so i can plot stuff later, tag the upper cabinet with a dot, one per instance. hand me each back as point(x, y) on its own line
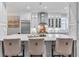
point(3, 20)
point(58, 24)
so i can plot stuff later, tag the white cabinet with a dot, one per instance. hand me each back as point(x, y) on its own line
point(3, 24)
point(3, 20)
point(64, 25)
point(58, 24)
point(34, 22)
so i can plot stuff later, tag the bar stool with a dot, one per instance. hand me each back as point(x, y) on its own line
point(36, 47)
point(64, 46)
point(12, 47)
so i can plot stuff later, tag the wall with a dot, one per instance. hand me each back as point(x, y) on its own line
point(12, 31)
point(72, 20)
point(3, 21)
point(78, 29)
point(25, 16)
point(73, 23)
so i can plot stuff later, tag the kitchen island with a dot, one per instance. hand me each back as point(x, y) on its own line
point(49, 39)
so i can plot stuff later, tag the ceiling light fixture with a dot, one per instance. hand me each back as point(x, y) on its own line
point(45, 7)
point(49, 16)
point(52, 16)
point(65, 8)
point(28, 7)
point(42, 7)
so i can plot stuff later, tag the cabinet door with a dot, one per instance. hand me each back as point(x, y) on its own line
point(64, 25)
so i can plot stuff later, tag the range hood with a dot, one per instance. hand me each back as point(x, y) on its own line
point(42, 26)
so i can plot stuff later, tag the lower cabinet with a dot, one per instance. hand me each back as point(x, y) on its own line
point(0, 49)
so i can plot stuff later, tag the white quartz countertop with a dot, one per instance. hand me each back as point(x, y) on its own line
point(49, 37)
point(54, 36)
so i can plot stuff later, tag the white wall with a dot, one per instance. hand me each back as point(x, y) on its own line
point(25, 16)
point(12, 31)
point(72, 20)
point(78, 29)
point(73, 23)
point(78, 18)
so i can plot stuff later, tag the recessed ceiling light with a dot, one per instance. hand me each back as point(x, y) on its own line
point(45, 7)
point(59, 16)
point(28, 7)
point(65, 8)
point(36, 16)
point(42, 15)
point(49, 16)
point(56, 16)
point(52, 16)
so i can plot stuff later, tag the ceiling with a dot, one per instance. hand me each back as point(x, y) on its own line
point(23, 7)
